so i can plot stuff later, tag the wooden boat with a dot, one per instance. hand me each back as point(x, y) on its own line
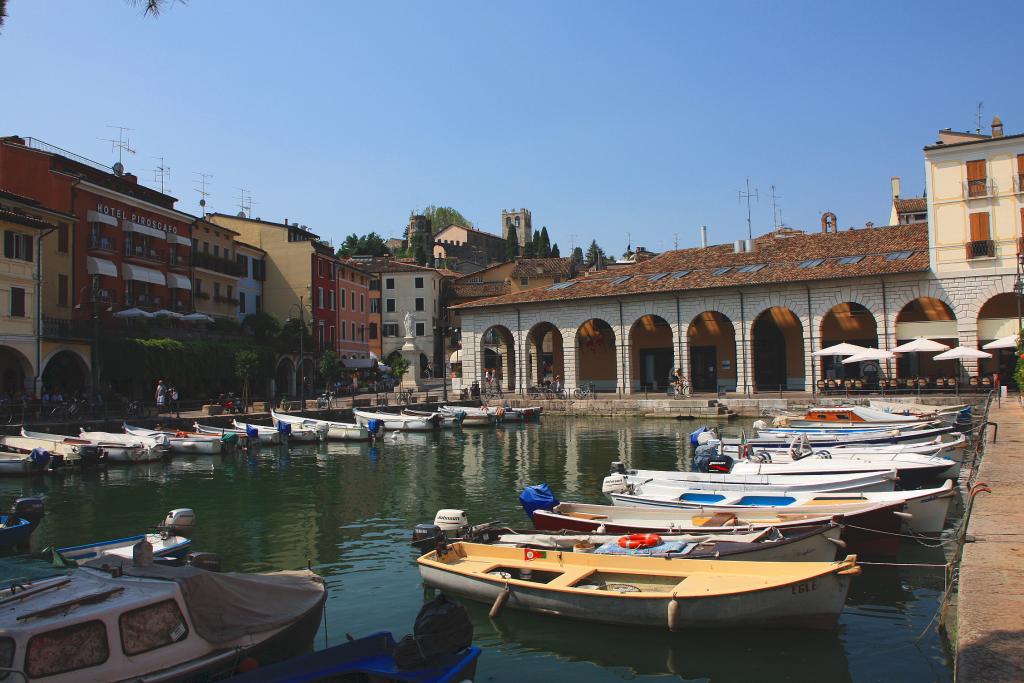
point(111, 620)
point(181, 442)
point(228, 434)
point(832, 438)
point(621, 478)
point(840, 429)
point(446, 421)
point(471, 417)
point(67, 451)
point(398, 422)
point(16, 526)
point(644, 591)
point(806, 543)
point(844, 415)
point(341, 431)
point(128, 447)
point(946, 414)
point(925, 511)
point(300, 433)
point(872, 530)
point(371, 658)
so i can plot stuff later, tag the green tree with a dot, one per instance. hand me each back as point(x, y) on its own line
point(330, 367)
point(530, 250)
point(262, 325)
point(441, 217)
point(512, 246)
point(247, 363)
point(419, 251)
point(577, 255)
point(398, 364)
point(544, 250)
point(554, 251)
point(365, 245)
point(595, 256)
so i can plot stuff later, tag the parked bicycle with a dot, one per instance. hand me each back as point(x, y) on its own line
point(547, 393)
point(323, 401)
point(680, 389)
point(584, 391)
point(405, 395)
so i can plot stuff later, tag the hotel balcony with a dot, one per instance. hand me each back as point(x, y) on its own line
point(107, 245)
point(142, 254)
point(143, 301)
point(981, 249)
point(178, 261)
point(216, 264)
point(979, 188)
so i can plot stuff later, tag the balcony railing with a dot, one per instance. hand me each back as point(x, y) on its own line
point(1018, 183)
point(98, 243)
point(177, 261)
point(981, 249)
point(979, 187)
point(61, 328)
point(151, 255)
point(216, 264)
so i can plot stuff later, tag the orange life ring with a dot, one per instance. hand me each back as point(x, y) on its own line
point(639, 541)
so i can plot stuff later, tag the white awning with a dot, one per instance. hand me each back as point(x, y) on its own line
point(175, 281)
point(99, 266)
point(456, 357)
point(97, 217)
point(140, 274)
point(175, 238)
point(132, 226)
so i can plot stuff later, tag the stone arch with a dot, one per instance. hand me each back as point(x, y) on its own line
point(933, 318)
point(848, 322)
point(284, 376)
point(652, 356)
point(596, 360)
point(777, 350)
point(16, 373)
point(545, 354)
point(498, 355)
point(66, 371)
point(999, 316)
point(711, 341)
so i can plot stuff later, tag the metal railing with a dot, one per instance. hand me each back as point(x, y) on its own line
point(63, 328)
point(981, 249)
point(216, 263)
point(979, 187)
point(138, 252)
point(102, 243)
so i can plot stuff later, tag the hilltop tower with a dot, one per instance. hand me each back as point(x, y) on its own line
point(521, 222)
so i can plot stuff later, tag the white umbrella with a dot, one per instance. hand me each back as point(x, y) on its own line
point(133, 313)
point(843, 349)
point(869, 354)
point(1002, 343)
point(197, 318)
point(164, 313)
point(962, 353)
point(921, 345)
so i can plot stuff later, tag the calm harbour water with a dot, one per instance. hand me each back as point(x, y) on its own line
point(348, 509)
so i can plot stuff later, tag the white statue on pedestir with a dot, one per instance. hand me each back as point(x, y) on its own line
point(409, 329)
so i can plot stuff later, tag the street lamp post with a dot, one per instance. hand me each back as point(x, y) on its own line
point(94, 379)
point(302, 335)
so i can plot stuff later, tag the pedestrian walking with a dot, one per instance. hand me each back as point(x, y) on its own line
point(161, 396)
point(175, 406)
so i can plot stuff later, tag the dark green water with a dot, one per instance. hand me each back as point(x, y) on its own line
point(349, 510)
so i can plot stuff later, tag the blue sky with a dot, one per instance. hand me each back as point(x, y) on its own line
point(604, 119)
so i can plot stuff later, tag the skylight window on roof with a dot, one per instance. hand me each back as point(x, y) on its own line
point(680, 274)
point(721, 271)
point(752, 267)
point(657, 276)
point(811, 263)
point(620, 280)
point(850, 260)
point(563, 285)
point(899, 256)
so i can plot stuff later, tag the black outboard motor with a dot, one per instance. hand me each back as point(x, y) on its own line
point(706, 458)
point(30, 509)
point(721, 464)
point(426, 535)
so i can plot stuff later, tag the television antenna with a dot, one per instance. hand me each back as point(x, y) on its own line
point(977, 117)
point(203, 194)
point(244, 202)
point(776, 212)
point(161, 174)
point(122, 144)
point(747, 194)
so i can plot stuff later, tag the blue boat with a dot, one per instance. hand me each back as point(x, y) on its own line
point(170, 541)
point(372, 657)
point(17, 525)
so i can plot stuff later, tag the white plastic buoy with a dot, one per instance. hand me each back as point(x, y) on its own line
point(673, 613)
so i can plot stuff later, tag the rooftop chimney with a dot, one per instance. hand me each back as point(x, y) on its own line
point(895, 180)
point(997, 127)
point(703, 237)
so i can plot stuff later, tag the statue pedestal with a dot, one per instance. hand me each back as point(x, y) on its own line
point(411, 354)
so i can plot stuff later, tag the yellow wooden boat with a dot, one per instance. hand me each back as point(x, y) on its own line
point(644, 591)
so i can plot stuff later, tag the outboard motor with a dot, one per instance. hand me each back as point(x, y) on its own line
point(449, 520)
point(614, 483)
point(208, 561)
point(374, 426)
point(721, 464)
point(284, 428)
point(30, 509)
point(426, 534)
point(537, 497)
point(180, 521)
point(252, 432)
point(618, 467)
point(40, 458)
point(707, 459)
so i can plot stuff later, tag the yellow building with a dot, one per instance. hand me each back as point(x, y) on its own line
point(215, 269)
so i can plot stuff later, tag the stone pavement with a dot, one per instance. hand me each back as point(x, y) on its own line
point(990, 614)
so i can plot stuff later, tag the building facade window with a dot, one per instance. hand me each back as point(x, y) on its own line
point(389, 283)
point(362, 303)
point(62, 290)
point(319, 297)
point(419, 303)
point(374, 305)
point(977, 178)
point(353, 299)
point(216, 290)
point(62, 238)
point(17, 302)
point(421, 330)
point(353, 328)
point(419, 283)
point(330, 299)
point(523, 281)
point(259, 303)
point(373, 330)
point(241, 302)
point(980, 227)
point(17, 245)
point(389, 305)
point(389, 330)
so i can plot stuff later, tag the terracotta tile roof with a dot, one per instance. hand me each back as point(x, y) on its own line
point(777, 258)
point(550, 267)
point(465, 289)
point(911, 205)
point(384, 264)
point(445, 272)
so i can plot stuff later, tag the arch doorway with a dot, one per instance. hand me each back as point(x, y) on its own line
point(66, 373)
point(651, 356)
point(284, 377)
point(932, 318)
point(1000, 317)
point(15, 373)
point(778, 344)
point(497, 348)
point(595, 355)
point(546, 356)
point(711, 338)
point(850, 323)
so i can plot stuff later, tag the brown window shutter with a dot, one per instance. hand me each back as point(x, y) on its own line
point(979, 227)
point(976, 170)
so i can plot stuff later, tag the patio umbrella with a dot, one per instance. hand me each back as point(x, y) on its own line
point(921, 345)
point(843, 349)
point(164, 313)
point(962, 353)
point(133, 313)
point(197, 318)
point(1002, 343)
point(869, 354)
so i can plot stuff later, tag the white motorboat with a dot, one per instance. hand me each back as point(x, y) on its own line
point(341, 431)
point(446, 421)
point(913, 469)
point(128, 447)
point(621, 478)
point(19, 464)
point(239, 435)
point(471, 417)
point(925, 510)
point(939, 446)
point(300, 433)
point(170, 540)
point(113, 620)
point(68, 450)
point(946, 414)
point(398, 422)
point(181, 442)
point(769, 439)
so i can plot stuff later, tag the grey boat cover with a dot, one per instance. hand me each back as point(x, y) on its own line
point(226, 606)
